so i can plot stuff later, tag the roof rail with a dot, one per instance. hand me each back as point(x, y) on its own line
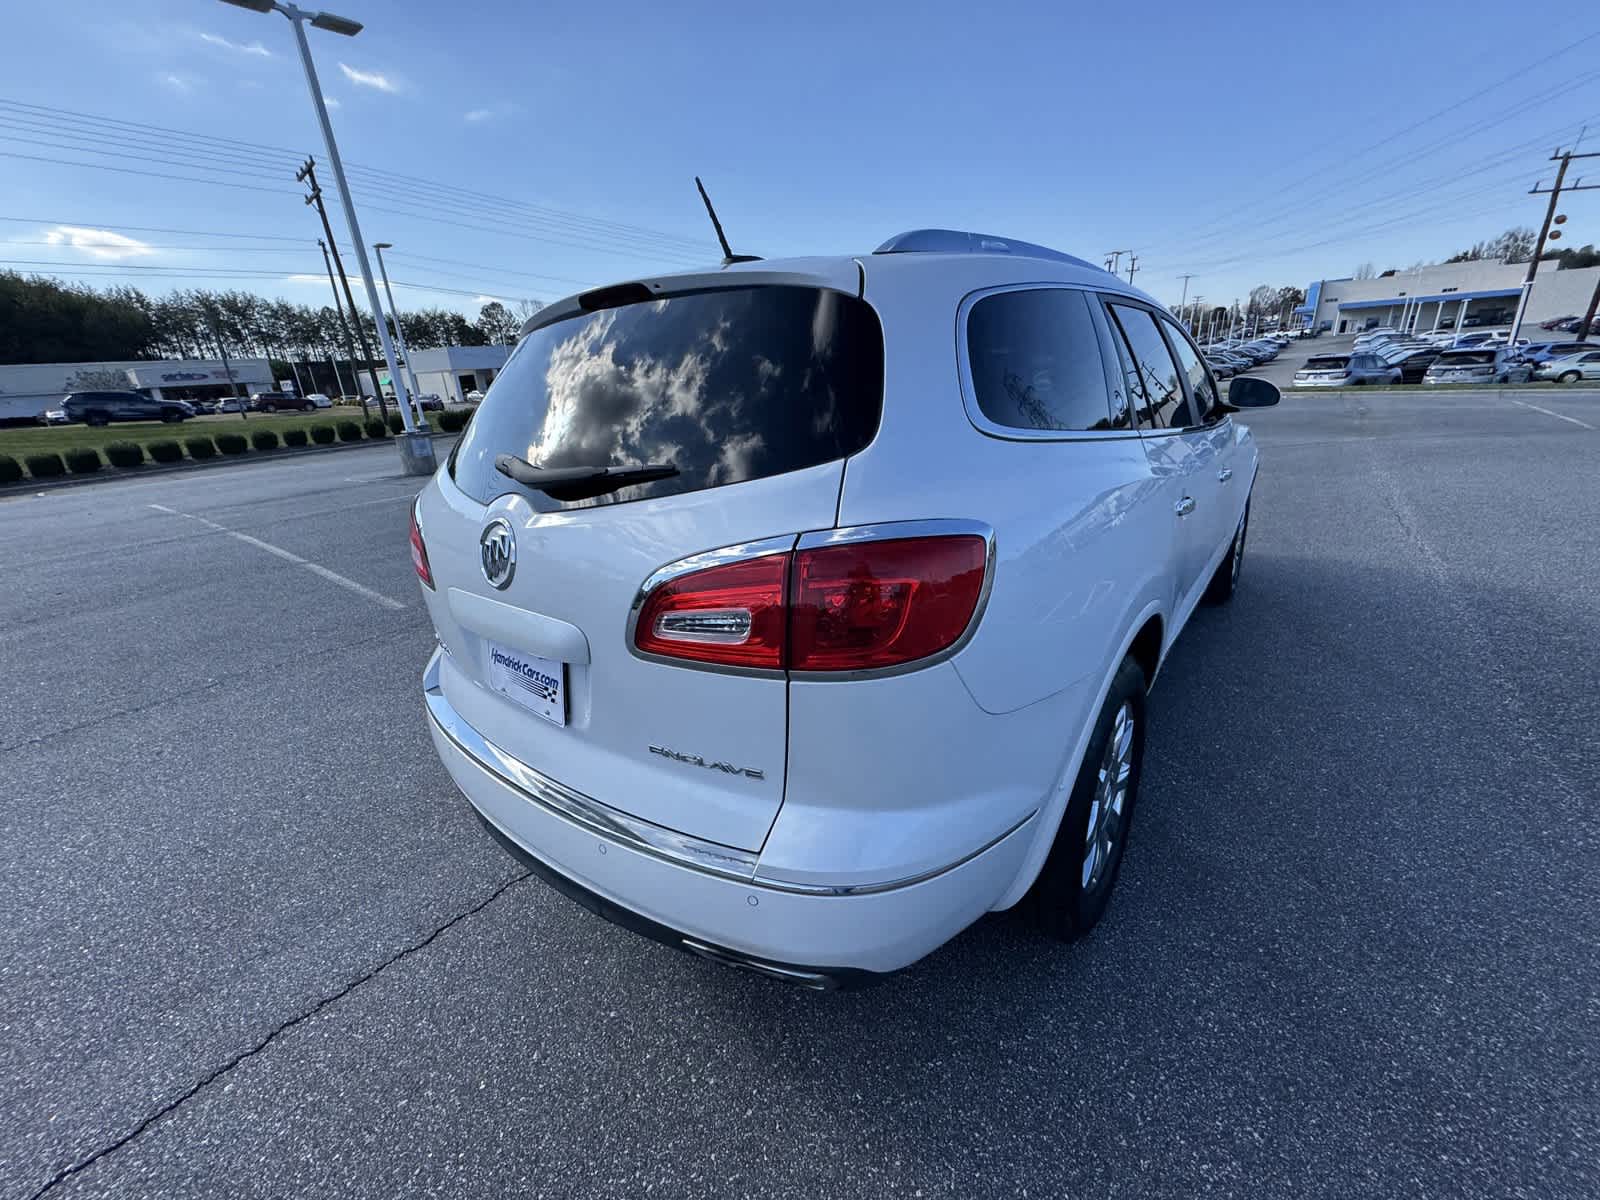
point(957, 241)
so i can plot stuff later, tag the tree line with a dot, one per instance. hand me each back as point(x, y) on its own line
point(46, 320)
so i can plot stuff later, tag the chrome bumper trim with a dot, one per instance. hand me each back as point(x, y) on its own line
point(711, 858)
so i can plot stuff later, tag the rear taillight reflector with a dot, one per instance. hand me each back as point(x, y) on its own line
point(731, 614)
point(856, 606)
point(868, 605)
point(419, 551)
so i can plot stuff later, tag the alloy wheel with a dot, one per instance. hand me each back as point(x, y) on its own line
point(1110, 800)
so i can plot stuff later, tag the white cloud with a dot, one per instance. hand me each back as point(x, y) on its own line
point(98, 243)
point(478, 114)
point(181, 84)
point(487, 300)
point(255, 48)
point(371, 79)
point(331, 101)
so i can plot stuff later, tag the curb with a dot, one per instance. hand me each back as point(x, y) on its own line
point(108, 474)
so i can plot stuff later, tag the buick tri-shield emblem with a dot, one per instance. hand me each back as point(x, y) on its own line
point(497, 551)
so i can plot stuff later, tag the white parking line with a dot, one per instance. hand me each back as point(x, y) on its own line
point(1556, 415)
point(288, 556)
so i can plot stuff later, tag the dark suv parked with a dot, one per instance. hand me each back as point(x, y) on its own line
point(102, 408)
point(267, 402)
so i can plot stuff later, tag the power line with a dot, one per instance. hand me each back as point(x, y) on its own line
point(1276, 193)
point(377, 175)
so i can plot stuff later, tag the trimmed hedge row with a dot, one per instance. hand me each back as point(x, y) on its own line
point(82, 460)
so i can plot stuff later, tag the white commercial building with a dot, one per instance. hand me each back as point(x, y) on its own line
point(453, 371)
point(1446, 296)
point(27, 389)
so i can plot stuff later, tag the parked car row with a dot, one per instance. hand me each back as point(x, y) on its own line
point(1387, 356)
point(1235, 356)
point(1569, 324)
point(104, 407)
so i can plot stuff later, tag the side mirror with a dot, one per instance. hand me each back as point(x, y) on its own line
point(1246, 391)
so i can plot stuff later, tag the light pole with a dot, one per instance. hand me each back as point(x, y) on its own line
point(400, 334)
point(416, 449)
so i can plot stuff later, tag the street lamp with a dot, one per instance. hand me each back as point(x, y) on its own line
point(400, 334)
point(416, 448)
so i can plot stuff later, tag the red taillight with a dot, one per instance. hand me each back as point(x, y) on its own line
point(852, 607)
point(730, 614)
point(419, 551)
point(864, 605)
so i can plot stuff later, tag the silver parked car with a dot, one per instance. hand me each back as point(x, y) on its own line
point(1483, 365)
point(1364, 368)
point(1572, 368)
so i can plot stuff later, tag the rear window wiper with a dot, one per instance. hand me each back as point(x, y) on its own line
point(579, 483)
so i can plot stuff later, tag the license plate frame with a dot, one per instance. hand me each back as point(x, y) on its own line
point(533, 682)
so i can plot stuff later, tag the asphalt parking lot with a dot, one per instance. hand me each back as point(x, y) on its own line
point(251, 943)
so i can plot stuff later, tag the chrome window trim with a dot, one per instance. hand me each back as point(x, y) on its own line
point(633, 833)
point(700, 562)
point(889, 530)
point(1011, 433)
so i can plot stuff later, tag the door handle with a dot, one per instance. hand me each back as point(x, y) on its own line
point(1225, 474)
point(1185, 506)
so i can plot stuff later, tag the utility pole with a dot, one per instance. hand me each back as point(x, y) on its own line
point(227, 369)
point(1550, 218)
point(308, 172)
point(349, 345)
point(1114, 260)
point(1133, 265)
point(399, 335)
point(1183, 302)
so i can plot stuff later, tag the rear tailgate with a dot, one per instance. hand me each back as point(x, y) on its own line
point(756, 394)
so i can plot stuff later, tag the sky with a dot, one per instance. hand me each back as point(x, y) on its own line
point(517, 151)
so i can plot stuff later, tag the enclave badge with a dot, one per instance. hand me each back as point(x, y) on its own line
point(694, 760)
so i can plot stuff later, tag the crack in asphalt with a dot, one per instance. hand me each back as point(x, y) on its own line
point(171, 1106)
point(217, 681)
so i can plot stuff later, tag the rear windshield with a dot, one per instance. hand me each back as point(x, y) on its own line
point(727, 386)
point(1328, 362)
point(1465, 358)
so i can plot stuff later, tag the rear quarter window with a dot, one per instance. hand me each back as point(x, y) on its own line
point(728, 386)
point(1035, 362)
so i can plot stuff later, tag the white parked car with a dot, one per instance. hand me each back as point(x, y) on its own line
point(1573, 368)
point(777, 624)
point(319, 400)
point(473, 397)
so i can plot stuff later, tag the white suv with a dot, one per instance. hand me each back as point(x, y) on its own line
point(798, 613)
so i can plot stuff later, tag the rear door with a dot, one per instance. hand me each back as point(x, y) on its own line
point(756, 395)
point(1181, 457)
point(1207, 422)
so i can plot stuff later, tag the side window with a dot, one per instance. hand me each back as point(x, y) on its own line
point(1035, 361)
point(1152, 375)
point(1202, 388)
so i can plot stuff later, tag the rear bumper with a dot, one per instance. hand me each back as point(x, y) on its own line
point(806, 934)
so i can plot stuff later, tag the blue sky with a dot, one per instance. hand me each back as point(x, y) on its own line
point(526, 150)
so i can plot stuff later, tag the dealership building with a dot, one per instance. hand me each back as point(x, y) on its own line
point(452, 371)
point(1446, 296)
point(27, 389)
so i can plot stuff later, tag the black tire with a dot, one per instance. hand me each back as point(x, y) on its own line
point(308, 407)
point(97, 419)
point(171, 416)
point(1064, 905)
point(1221, 588)
point(269, 408)
point(1570, 377)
